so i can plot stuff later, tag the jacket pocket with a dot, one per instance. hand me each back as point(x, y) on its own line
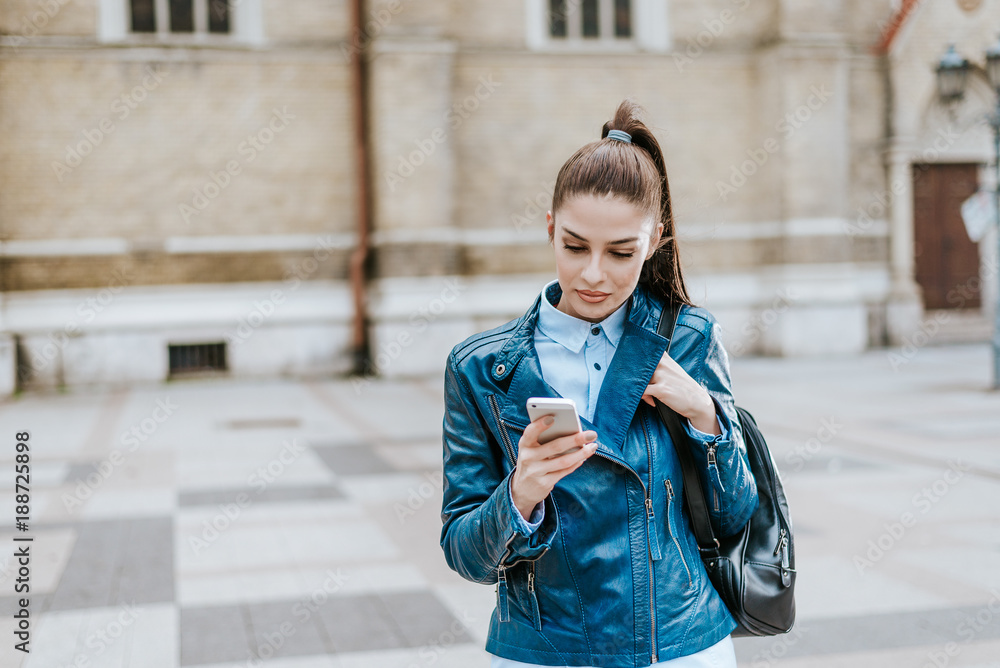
point(518, 586)
point(536, 616)
point(671, 528)
point(505, 437)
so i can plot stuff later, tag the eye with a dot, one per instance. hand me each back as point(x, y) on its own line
point(622, 255)
point(574, 249)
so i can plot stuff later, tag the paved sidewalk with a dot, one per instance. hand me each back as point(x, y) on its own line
point(215, 523)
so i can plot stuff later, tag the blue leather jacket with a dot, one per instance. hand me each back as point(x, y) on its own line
point(612, 577)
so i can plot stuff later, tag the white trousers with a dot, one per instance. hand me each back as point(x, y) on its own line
point(720, 655)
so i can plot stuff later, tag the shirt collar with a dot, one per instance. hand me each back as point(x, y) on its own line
point(571, 332)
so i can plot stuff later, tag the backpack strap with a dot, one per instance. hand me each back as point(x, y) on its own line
point(694, 493)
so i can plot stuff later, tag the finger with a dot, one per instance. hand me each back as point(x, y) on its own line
point(557, 446)
point(569, 463)
point(534, 429)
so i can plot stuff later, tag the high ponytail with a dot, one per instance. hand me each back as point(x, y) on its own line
point(636, 173)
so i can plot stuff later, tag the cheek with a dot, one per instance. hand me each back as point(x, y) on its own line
point(627, 275)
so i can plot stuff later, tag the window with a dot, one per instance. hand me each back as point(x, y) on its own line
point(180, 16)
point(616, 25)
point(216, 23)
point(590, 19)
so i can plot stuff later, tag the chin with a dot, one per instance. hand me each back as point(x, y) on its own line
point(594, 312)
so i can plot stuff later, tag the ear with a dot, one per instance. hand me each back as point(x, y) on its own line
point(654, 240)
point(550, 225)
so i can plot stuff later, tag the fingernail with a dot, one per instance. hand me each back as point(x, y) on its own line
point(548, 419)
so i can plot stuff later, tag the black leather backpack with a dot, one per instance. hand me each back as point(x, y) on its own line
point(753, 570)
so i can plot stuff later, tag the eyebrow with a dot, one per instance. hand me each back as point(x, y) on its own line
point(610, 243)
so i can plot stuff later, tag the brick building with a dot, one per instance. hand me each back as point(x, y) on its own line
point(179, 178)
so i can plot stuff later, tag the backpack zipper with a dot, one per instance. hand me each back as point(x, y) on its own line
point(786, 577)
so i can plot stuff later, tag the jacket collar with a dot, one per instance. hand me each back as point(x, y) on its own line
point(571, 332)
point(639, 351)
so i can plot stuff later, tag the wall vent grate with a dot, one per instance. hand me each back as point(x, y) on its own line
point(197, 358)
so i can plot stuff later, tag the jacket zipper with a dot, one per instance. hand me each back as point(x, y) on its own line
point(654, 543)
point(504, 614)
point(673, 534)
point(712, 462)
point(534, 598)
point(508, 446)
point(502, 610)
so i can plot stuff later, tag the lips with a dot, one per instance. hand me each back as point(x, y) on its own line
point(591, 296)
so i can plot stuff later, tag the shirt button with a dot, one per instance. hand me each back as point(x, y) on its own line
point(597, 366)
point(595, 330)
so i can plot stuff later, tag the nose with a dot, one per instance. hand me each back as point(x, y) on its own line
point(593, 273)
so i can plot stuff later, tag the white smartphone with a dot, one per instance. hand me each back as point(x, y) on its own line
point(567, 420)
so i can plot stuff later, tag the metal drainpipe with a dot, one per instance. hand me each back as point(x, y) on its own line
point(358, 263)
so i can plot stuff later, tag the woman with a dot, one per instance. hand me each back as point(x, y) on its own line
point(594, 559)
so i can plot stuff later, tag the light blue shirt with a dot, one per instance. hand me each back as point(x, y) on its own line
point(574, 355)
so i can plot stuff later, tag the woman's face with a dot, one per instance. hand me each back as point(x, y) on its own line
point(600, 246)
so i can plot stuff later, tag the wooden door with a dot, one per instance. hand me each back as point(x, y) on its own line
point(947, 261)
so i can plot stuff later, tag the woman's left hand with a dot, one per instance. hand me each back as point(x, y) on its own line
point(672, 385)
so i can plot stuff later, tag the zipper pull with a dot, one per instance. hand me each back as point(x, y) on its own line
point(781, 542)
point(502, 609)
point(536, 614)
point(786, 573)
point(654, 541)
point(670, 488)
point(711, 454)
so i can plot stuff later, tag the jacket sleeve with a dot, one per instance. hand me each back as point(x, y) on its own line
point(726, 476)
point(480, 523)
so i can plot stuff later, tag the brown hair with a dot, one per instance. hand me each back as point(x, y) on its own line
point(634, 172)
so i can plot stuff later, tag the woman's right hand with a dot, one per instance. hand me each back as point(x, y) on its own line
point(541, 465)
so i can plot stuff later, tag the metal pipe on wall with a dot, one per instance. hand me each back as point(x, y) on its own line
point(359, 262)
